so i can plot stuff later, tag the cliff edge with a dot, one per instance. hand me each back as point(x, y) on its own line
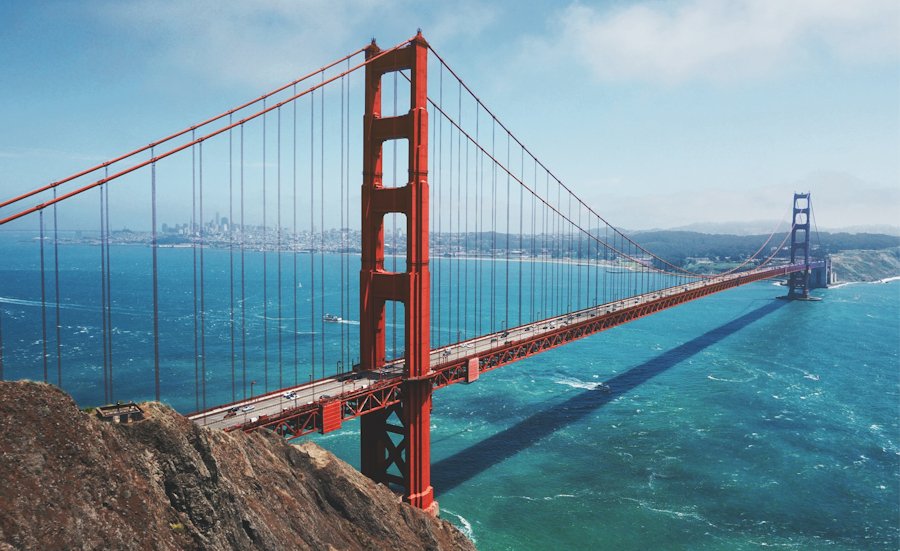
point(69, 480)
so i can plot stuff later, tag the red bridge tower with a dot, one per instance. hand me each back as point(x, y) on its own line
point(396, 443)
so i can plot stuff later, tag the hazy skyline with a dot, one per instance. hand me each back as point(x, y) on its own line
point(657, 114)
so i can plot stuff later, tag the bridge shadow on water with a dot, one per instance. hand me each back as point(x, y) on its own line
point(452, 471)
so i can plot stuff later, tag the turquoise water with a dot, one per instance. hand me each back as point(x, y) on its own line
point(734, 422)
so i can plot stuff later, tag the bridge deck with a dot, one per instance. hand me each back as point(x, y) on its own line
point(357, 393)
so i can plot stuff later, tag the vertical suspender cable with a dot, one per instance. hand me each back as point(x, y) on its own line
point(493, 224)
point(312, 229)
point(346, 207)
point(341, 228)
point(467, 253)
point(103, 300)
point(43, 297)
point(533, 244)
point(265, 266)
point(439, 127)
point(194, 253)
point(459, 209)
point(543, 311)
point(521, 229)
point(322, 216)
point(395, 352)
point(56, 282)
point(479, 201)
point(1, 344)
point(569, 247)
point(432, 205)
point(506, 318)
point(243, 282)
point(295, 236)
point(447, 242)
point(231, 255)
point(202, 289)
point(109, 328)
point(578, 264)
point(155, 279)
point(278, 253)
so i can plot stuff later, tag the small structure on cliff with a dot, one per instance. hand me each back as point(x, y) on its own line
point(120, 413)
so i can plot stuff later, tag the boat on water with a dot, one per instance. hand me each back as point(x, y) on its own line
point(332, 318)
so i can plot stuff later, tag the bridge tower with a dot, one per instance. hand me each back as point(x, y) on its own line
point(395, 444)
point(798, 282)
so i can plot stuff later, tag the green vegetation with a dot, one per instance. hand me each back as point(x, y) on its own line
point(714, 251)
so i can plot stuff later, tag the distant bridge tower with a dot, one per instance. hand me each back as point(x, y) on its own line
point(799, 283)
point(395, 443)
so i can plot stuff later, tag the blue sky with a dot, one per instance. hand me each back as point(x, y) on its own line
point(659, 114)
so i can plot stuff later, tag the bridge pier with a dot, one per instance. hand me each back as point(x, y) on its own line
point(820, 278)
point(395, 444)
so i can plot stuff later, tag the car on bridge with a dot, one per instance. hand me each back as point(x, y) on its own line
point(289, 395)
point(248, 407)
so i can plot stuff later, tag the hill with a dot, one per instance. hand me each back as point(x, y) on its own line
point(71, 481)
point(866, 265)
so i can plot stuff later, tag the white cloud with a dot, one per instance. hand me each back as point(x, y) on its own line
point(260, 43)
point(727, 39)
point(267, 42)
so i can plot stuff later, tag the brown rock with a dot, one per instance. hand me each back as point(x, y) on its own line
point(70, 481)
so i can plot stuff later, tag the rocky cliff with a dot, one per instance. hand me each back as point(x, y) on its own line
point(71, 481)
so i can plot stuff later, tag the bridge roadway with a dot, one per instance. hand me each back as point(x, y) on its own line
point(359, 392)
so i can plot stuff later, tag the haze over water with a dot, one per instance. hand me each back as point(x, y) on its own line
point(734, 422)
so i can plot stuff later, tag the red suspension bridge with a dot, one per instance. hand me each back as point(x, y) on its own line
point(474, 257)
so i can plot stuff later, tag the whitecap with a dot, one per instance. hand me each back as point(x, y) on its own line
point(466, 526)
point(712, 378)
point(576, 383)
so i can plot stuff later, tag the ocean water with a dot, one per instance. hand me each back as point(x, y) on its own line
point(734, 422)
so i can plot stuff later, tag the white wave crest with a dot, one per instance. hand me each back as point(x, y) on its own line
point(464, 525)
point(576, 383)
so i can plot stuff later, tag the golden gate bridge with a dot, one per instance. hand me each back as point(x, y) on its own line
point(490, 259)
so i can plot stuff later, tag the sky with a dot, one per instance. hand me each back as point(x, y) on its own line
point(658, 114)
